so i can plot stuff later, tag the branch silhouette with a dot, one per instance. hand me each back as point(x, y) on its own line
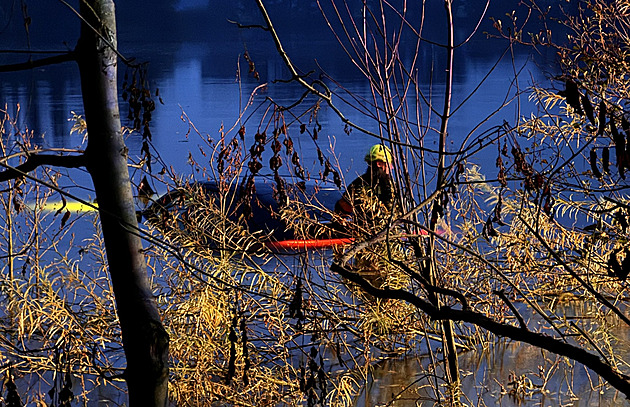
point(616, 379)
point(36, 160)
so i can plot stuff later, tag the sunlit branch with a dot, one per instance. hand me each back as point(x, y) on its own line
point(175, 251)
point(573, 274)
point(385, 234)
point(431, 287)
point(496, 270)
point(591, 341)
point(616, 379)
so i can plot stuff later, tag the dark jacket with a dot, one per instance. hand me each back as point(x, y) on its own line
point(369, 198)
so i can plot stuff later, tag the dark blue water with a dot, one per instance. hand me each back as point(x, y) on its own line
point(195, 71)
point(193, 59)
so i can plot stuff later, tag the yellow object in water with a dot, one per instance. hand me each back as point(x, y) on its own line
point(72, 206)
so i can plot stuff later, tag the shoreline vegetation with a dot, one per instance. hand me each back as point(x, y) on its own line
point(513, 281)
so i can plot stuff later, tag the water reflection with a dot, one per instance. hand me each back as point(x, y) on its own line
point(200, 78)
point(507, 373)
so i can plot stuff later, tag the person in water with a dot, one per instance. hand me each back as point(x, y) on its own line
point(369, 199)
point(371, 202)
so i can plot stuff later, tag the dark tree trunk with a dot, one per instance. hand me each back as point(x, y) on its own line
point(144, 339)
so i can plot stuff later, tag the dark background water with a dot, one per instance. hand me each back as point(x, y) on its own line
point(193, 49)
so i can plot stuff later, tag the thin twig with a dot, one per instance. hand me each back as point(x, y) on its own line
point(512, 308)
point(572, 272)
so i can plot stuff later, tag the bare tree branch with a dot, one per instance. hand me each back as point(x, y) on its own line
point(97, 32)
point(616, 379)
point(248, 26)
point(30, 64)
point(37, 160)
point(326, 95)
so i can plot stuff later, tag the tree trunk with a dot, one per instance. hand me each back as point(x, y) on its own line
point(448, 337)
point(144, 338)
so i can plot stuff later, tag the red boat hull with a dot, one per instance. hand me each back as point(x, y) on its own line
point(308, 244)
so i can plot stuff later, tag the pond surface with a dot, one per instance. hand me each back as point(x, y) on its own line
point(196, 73)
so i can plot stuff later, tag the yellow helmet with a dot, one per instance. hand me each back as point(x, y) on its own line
point(379, 152)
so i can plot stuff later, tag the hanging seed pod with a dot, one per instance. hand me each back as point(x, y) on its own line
point(302, 377)
point(275, 163)
point(295, 159)
point(322, 376)
point(548, 205)
point(497, 211)
point(244, 341)
point(66, 395)
point(254, 166)
point(65, 218)
point(276, 146)
point(320, 156)
point(614, 268)
point(621, 219)
point(620, 147)
point(233, 338)
point(336, 179)
point(488, 230)
point(260, 137)
point(295, 307)
point(601, 118)
point(588, 109)
point(593, 162)
point(12, 396)
point(327, 169)
point(288, 143)
point(572, 95)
